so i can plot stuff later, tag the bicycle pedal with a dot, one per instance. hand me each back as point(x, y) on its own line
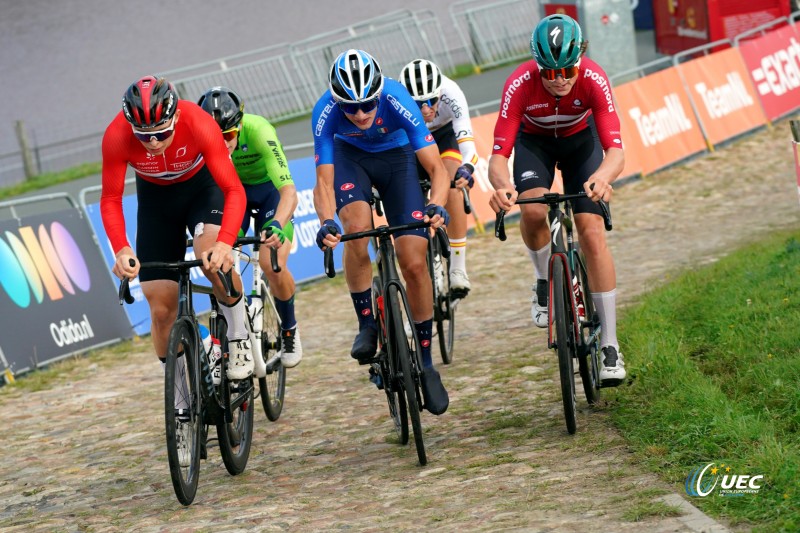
point(458, 294)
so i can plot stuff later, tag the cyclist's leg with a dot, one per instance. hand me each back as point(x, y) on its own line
point(457, 228)
point(403, 196)
point(161, 236)
point(534, 168)
point(266, 199)
point(353, 190)
point(586, 159)
point(204, 221)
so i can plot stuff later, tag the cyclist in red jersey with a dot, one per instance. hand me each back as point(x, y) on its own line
point(557, 110)
point(184, 179)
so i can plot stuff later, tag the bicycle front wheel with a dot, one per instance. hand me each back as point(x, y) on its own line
point(273, 385)
point(235, 427)
point(565, 340)
point(406, 357)
point(182, 390)
point(395, 391)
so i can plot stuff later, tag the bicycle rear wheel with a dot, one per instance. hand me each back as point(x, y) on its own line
point(565, 341)
point(182, 387)
point(236, 436)
point(406, 356)
point(273, 385)
point(443, 309)
point(588, 362)
point(395, 392)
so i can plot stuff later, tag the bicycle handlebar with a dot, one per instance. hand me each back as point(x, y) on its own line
point(226, 278)
point(375, 232)
point(552, 199)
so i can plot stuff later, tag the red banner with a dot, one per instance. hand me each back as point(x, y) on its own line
point(774, 64)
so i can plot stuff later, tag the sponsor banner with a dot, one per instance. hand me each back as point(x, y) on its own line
point(658, 124)
point(305, 261)
point(55, 295)
point(774, 64)
point(724, 97)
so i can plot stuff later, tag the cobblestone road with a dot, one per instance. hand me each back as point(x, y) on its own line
point(87, 453)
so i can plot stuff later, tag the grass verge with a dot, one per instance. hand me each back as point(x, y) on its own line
point(714, 362)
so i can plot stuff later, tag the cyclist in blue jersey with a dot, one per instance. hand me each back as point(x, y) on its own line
point(369, 132)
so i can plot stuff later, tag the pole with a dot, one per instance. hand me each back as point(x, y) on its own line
point(795, 125)
point(28, 162)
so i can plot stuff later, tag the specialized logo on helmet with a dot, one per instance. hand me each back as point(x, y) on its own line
point(554, 33)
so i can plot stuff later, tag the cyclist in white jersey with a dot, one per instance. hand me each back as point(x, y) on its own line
point(444, 108)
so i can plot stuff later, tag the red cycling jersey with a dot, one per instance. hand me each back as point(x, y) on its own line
point(196, 141)
point(527, 103)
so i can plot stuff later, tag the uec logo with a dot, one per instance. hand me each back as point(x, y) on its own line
point(39, 263)
point(703, 480)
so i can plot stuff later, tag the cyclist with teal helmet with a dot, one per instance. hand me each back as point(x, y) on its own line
point(261, 165)
point(557, 111)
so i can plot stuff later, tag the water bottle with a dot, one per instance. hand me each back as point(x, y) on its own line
point(215, 360)
point(256, 308)
point(438, 273)
point(578, 298)
point(205, 335)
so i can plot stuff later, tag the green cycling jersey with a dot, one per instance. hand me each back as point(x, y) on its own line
point(259, 156)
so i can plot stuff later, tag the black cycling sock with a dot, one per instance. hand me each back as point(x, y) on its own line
point(362, 302)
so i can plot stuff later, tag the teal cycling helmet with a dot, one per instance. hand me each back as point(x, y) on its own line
point(557, 42)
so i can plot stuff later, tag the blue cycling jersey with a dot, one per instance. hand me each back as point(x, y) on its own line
point(398, 122)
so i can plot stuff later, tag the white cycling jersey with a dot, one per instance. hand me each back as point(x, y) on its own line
point(453, 108)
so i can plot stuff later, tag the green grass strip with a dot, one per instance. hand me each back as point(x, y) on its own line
point(714, 359)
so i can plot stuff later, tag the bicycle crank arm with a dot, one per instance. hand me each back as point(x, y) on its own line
point(273, 363)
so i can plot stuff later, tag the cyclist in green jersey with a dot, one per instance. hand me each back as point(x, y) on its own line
point(271, 198)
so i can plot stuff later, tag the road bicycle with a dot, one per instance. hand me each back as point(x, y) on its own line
point(445, 299)
point(228, 406)
point(573, 328)
point(264, 327)
point(397, 364)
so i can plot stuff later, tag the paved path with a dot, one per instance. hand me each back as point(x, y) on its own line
point(87, 453)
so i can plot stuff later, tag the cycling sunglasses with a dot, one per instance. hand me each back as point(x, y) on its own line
point(429, 102)
point(352, 109)
point(150, 136)
point(550, 74)
point(231, 134)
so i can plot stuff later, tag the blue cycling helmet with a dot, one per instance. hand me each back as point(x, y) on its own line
point(355, 77)
point(557, 42)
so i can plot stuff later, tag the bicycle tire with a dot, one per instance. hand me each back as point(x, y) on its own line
point(403, 353)
point(588, 363)
point(235, 437)
point(395, 396)
point(272, 386)
point(183, 337)
point(443, 310)
point(565, 344)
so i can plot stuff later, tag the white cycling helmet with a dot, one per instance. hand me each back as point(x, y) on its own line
point(355, 77)
point(422, 78)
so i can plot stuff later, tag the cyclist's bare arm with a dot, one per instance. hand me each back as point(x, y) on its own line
point(431, 161)
point(598, 186)
point(325, 201)
point(500, 178)
point(283, 213)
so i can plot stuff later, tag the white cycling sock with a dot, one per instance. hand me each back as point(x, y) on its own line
point(181, 391)
point(540, 259)
point(234, 316)
point(606, 305)
point(458, 255)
